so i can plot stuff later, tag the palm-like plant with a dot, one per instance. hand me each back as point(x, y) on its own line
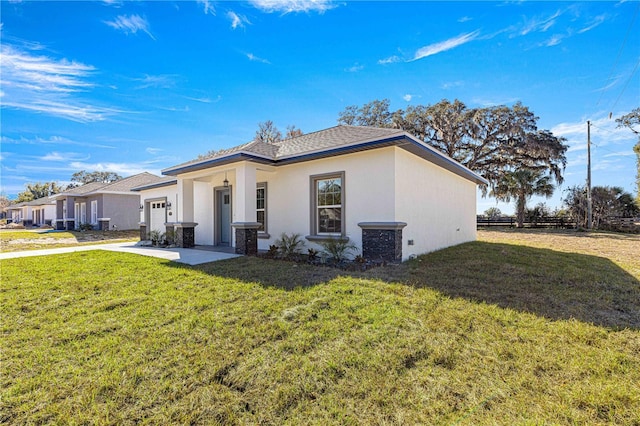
point(521, 185)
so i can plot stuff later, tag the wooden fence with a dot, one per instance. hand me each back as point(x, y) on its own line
point(541, 222)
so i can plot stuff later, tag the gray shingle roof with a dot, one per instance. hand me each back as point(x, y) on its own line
point(329, 142)
point(312, 142)
point(122, 185)
point(126, 184)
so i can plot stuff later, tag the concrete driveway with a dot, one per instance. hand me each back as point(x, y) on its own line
point(180, 255)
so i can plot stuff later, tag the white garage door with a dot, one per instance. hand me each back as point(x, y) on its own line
point(158, 216)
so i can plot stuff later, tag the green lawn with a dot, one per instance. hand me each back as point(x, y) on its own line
point(30, 239)
point(536, 330)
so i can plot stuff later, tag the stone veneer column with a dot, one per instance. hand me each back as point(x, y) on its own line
point(60, 224)
point(246, 237)
point(382, 241)
point(143, 232)
point(185, 234)
point(103, 224)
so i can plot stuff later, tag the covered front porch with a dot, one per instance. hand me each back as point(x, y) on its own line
point(217, 207)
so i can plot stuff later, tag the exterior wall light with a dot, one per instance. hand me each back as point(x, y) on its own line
point(225, 182)
point(141, 207)
point(168, 205)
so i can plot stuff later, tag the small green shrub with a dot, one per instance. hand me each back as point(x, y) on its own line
point(338, 249)
point(312, 254)
point(273, 251)
point(170, 237)
point(85, 227)
point(156, 237)
point(290, 245)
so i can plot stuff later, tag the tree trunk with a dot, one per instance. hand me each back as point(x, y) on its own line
point(521, 204)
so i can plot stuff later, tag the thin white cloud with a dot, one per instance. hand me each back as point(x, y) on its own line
point(539, 24)
point(407, 97)
point(443, 46)
point(288, 6)
point(596, 21)
point(63, 156)
point(237, 20)
point(255, 58)
point(465, 19)
point(124, 169)
point(204, 100)
point(130, 24)
point(42, 84)
point(451, 84)
point(53, 140)
point(355, 68)
point(390, 60)
point(555, 40)
point(163, 81)
point(154, 151)
point(207, 7)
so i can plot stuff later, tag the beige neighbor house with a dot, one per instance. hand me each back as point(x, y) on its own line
point(39, 212)
point(104, 206)
point(383, 190)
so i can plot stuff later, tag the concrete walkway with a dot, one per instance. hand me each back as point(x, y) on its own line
point(181, 255)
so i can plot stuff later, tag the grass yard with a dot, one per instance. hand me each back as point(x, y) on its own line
point(17, 240)
point(517, 328)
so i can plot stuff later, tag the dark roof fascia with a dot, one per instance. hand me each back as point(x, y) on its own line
point(214, 162)
point(154, 185)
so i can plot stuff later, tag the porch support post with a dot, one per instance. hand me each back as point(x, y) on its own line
point(184, 228)
point(185, 200)
point(245, 224)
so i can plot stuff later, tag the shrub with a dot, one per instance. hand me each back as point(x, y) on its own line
point(290, 245)
point(312, 254)
point(170, 237)
point(85, 227)
point(156, 237)
point(337, 249)
point(273, 251)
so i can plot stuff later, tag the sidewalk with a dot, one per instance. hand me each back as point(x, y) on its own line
point(180, 255)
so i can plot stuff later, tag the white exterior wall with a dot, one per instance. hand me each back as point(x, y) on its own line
point(438, 206)
point(369, 194)
point(203, 212)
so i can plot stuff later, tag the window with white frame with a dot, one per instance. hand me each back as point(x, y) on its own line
point(328, 204)
point(261, 207)
point(94, 212)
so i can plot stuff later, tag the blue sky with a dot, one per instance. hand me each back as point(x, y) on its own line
point(141, 86)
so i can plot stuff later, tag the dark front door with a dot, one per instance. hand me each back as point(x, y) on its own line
point(223, 217)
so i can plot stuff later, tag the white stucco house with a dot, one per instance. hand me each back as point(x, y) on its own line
point(39, 212)
point(104, 206)
point(386, 191)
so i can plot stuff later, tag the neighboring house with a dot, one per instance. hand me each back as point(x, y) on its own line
point(33, 213)
point(102, 205)
point(383, 190)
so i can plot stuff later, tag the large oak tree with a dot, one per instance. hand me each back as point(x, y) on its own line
point(492, 141)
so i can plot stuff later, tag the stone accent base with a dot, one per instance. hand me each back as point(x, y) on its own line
point(382, 241)
point(70, 225)
point(143, 232)
point(103, 225)
point(246, 237)
point(60, 225)
point(185, 234)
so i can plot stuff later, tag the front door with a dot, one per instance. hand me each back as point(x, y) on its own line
point(223, 217)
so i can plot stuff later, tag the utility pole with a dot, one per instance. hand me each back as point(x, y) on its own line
point(589, 205)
